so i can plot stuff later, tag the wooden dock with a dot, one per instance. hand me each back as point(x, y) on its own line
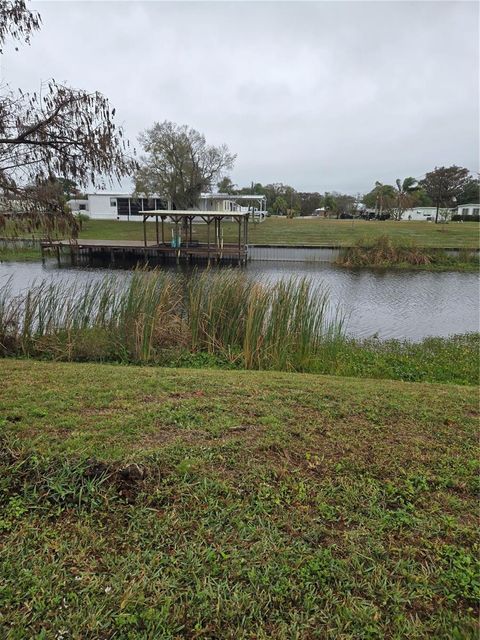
point(132, 252)
point(181, 248)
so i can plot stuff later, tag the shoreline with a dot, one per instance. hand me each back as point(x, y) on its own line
point(31, 254)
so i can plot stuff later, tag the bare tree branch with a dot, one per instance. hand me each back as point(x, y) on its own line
point(17, 21)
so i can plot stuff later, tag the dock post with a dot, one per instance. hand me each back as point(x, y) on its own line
point(239, 220)
point(245, 240)
point(208, 240)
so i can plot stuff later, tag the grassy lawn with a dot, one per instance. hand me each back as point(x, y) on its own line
point(141, 502)
point(307, 231)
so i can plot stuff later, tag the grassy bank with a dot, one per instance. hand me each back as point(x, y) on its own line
point(387, 252)
point(452, 360)
point(159, 503)
point(448, 360)
point(359, 234)
point(309, 231)
point(215, 319)
point(19, 254)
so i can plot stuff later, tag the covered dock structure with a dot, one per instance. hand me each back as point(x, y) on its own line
point(174, 242)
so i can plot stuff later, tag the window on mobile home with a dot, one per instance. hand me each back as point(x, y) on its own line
point(123, 208)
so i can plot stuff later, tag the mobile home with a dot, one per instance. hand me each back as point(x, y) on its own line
point(126, 206)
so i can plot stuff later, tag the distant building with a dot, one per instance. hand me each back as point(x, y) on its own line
point(420, 214)
point(124, 206)
point(468, 209)
point(429, 213)
point(77, 206)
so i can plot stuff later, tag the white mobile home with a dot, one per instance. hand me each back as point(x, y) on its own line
point(78, 206)
point(429, 213)
point(468, 210)
point(125, 206)
point(425, 214)
point(121, 206)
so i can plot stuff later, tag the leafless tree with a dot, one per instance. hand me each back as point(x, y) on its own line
point(57, 132)
point(17, 21)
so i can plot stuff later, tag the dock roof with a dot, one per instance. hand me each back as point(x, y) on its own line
point(188, 213)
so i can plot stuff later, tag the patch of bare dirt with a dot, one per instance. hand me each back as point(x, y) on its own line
point(169, 434)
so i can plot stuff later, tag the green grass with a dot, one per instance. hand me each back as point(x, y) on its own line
point(301, 231)
point(448, 360)
point(264, 505)
point(20, 254)
point(309, 231)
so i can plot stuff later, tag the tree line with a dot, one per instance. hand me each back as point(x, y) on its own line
point(283, 199)
point(443, 188)
point(177, 162)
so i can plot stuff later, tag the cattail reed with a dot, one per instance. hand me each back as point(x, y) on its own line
point(155, 316)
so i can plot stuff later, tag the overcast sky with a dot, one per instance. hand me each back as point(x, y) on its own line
point(320, 95)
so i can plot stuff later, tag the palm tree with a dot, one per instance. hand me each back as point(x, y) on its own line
point(405, 195)
point(384, 197)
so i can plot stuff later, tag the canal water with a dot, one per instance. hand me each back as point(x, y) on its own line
point(387, 304)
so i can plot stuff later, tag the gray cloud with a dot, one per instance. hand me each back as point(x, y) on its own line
point(323, 96)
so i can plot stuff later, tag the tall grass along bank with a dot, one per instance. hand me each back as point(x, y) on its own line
point(286, 325)
point(216, 319)
point(389, 252)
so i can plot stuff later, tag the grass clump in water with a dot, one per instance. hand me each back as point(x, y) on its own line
point(388, 252)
